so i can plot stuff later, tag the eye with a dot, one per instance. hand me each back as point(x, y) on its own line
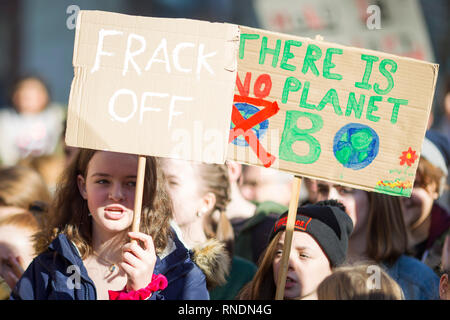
point(131, 183)
point(323, 188)
point(278, 253)
point(172, 182)
point(344, 190)
point(303, 255)
point(102, 181)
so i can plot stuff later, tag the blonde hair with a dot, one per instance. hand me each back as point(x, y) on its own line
point(355, 283)
point(214, 178)
point(21, 186)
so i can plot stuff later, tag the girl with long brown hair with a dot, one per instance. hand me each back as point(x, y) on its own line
point(380, 236)
point(85, 253)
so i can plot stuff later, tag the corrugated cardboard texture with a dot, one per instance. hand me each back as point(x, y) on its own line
point(390, 170)
point(169, 97)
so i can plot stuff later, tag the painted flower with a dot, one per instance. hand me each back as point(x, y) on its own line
point(408, 157)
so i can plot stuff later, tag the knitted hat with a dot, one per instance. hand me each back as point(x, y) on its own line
point(329, 225)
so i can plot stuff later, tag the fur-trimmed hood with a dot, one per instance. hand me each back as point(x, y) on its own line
point(213, 259)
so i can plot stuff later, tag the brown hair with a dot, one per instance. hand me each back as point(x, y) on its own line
point(428, 175)
point(24, 220)
point(21, 186)
point(214, 178)
point(69, 211)
point(262, 286)
point(49, 166)
point(352, 283)
point(386, 230)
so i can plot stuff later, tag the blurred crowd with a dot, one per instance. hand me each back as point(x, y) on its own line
point(223, 226)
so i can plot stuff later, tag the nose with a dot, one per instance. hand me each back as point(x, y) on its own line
point(334, 194)
point(116, 193)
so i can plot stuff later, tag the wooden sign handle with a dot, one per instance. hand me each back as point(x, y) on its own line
point(293, 205)
point(139, 194)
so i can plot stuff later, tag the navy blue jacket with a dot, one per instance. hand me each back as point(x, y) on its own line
point(54, 273)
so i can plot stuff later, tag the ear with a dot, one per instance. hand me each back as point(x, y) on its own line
point(82, 186)
point(208, 202)
point(234, 170)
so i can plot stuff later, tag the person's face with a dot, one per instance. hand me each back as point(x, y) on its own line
point(250, 182)
point(109, 188)
point(183, 188)
point(30, 97)
point(356, 202)
point(308, 266)
point(14, 242)
point(419, 205)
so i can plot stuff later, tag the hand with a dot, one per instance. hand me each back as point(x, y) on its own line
point(137, 262)
point(12, 270)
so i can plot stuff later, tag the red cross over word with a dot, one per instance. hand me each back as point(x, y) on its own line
point(244, 126)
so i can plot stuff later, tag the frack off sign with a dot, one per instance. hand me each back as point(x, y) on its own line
point(352, 116)
point(142, 85)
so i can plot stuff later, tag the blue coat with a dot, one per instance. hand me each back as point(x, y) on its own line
point(59, 273)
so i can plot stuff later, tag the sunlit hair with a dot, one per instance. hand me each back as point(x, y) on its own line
point(214, 178)
point(70, 213)
point(358, 282)
point(386, 233)
point(24, 220)
point(22, 186)
point(262, 286)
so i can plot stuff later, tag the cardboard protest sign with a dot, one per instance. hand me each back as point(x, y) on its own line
point(146, 85)
point(351, 116)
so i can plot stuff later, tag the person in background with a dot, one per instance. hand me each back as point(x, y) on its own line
point(427, 220)
point(252, 221)
point(355, 283)
point(380, 236)
point(319, 244)
point(265, 184)
point(200, 193)
point(24, 189)
point(32, 126)
point(16, 247)
point(48, 166)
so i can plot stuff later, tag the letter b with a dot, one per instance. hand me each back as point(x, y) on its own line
point(292, 133)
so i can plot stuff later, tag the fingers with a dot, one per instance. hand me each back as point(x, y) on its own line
point(145, 238)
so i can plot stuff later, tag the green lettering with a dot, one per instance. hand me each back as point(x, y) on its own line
point(387, 75)
point(313, 53)
point(327, 64)
point(356, 106)
point(372, 108)
point(287, 54)
point(245, 36)
point(369, 65)
point(331, 97)
point(292, 133)
point(291, 84)
point(397, 103)
point(264, 50)
point(305, 91)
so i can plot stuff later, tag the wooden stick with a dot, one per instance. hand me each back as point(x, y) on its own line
point(139, 194)
point(293, 205)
